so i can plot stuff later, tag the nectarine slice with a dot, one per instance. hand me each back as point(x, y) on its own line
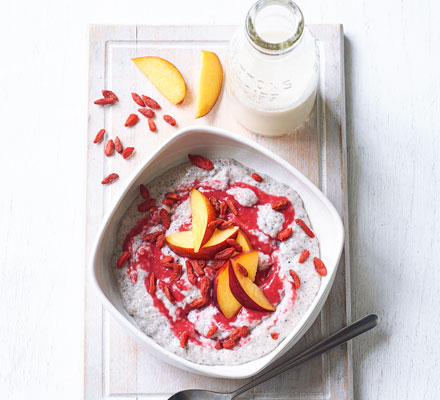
point(210, 83)
point(223, 297)
point(164, 75)
point(249, 260)
point(202, 214)
point(246, 292)
point(182, 243)
point(243, 241)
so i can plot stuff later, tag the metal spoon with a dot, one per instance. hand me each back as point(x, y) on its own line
point(336, 339)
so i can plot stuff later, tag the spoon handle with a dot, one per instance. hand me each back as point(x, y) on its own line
point(336, 339)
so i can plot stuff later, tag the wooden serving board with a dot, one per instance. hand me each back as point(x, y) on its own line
point(118, 367)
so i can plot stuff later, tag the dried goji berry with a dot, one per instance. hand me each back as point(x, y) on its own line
point(104, 101)
point(132, 120)
point(280, 205)
point(231, 206)
point(218, 345)
point(205, 286)
point(146, 112)
point(145, 205)
point(223, 208)
point(99, 136)
point(201, 162)
point(212, 331)
point(229, 344)
point(152, 237)
point(257, 177)
point(144, 191)
point(128, 151)
point(199, 302)
point(215, 224)
point(242, 270)
point(150, 102)
point(173, 196)
point(274, 335)
point(169, 119)
point(244, 331)
point(169, 295)
point(224, 254)
point(184, 339)
point(217, 264)
point(165, 218)
point(137, 99)
point(109, 148)
point(123, 259)
point(235, 334)
point(192, 278)
point(160, 241)
point(319, 266)
point(167, 259)
point(168, 202)
point(110, 178)
point(108, 94)
point(303, 256)
point(225, 224)
point(118, 145)
point(151, 125)
point(285, 234)
point(305, 228)
point(237, 246)
point(152, 284)
point(197, 268)
point(295, 278)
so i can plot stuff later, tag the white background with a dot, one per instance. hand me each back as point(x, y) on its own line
point(393, 131)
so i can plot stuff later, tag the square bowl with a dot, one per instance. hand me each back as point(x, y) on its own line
point(213, 142)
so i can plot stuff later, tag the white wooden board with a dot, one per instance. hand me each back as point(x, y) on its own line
point(115, 365)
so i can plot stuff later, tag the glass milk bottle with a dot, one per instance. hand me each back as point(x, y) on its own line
point(272, 69)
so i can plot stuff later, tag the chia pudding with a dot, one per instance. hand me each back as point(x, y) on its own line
point(175, 294)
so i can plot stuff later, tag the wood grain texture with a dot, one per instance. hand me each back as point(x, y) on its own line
point(392, 62)
point(115, 365)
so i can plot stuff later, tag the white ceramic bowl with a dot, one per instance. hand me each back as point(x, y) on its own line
point(213, 142)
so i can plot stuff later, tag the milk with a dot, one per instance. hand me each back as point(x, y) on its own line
point(272, 94)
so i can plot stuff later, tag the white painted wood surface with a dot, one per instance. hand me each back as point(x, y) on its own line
point(392, 61)
point(115, 365)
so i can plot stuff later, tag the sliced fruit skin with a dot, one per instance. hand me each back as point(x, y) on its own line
point(249, 260)
point(210, 83)
point(164, 75)
point(246, 292)
point(202, 214)
point(182, 243)
point(223, 297)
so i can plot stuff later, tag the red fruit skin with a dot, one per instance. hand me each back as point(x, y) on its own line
point(201, 162)
point(137, 99)
point(239, 292)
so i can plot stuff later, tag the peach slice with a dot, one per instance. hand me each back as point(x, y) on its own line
point(182, 243)
point(249, 260)
point(210, 83)
point(223, 297)
point(202, 214)
point(164, 75)
point(246, 292)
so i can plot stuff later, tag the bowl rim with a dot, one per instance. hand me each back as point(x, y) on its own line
point(219, 371)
